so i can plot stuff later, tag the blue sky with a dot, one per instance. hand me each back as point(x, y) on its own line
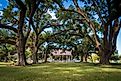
point(3, 4)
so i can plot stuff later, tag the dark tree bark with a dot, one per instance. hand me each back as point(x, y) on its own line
point(104, 59)
point(45, 58)
point(35, 50)
point(21, 53)
point(104, 56)
point(21, 42)
point(35, 56)
point(84, 57)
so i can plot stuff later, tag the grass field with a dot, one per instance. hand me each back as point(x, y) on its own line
point(60, 72)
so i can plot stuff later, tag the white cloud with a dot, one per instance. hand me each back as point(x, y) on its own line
point(52, 14)
point(1, 13)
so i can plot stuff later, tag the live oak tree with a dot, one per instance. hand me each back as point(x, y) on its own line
point(101, 16)
point(19, 26)
point(7, 42)
point(9, 18)
point(107, 12)
point(21, 15)
point(41, 21)
point(70, 40)
point(82, 34)
point(6, 52)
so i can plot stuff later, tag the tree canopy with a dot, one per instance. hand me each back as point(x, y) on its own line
point(83, 26)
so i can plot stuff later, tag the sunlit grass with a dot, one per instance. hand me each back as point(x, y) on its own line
point(60, 72)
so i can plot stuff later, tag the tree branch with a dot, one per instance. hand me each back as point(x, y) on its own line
point(50, 25)
point(21, 4)
point(33, 10)
point(27, 35)
point(62, 31)
point(98, 11)
point(9, 41)
point(8, 27)
point(117, 27)
point(37, 25)
point(83, 14)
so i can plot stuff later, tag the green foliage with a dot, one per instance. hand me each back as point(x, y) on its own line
point(96, 11)
point(10, 15)
point(3, 33)
point(5, 52)
point(115, 57)
point(28, 53)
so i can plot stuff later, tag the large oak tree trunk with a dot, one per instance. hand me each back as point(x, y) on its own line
point(109, 41)
point(84, 57)
point(104, 58)
point(45, 58)
point(21, 53)
point(35, 49)
point(35, 56)
point(105, 54)
point(21, 42)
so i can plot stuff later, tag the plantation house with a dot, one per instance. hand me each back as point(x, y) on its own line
point(59, 54)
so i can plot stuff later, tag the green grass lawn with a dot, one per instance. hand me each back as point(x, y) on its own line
point(60, 72)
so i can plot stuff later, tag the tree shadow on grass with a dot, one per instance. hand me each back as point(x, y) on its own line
point(17, 74)
point(60, 72)
point(102, 76)
point(111, 65)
